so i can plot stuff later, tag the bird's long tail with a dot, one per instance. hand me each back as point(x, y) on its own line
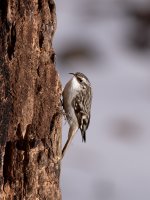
point(83, 136)
point(71, 134)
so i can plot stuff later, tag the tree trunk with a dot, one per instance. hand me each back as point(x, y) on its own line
point(30, 89)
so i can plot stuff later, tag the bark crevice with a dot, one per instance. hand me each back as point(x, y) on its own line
point(11, 42)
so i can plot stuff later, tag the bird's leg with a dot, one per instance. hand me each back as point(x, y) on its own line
point(61, 111)
point(72, 131)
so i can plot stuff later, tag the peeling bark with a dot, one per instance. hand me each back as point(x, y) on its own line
point(30, 89)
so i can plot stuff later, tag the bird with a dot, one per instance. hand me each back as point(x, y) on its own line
point(77, 99)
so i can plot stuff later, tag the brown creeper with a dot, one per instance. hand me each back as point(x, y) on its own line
point(77, 97)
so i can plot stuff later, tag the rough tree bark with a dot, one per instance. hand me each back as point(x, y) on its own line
point(30, 89)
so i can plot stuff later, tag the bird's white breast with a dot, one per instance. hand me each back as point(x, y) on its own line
point(75, 84)
point(70, 91)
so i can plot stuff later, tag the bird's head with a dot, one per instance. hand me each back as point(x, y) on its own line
point(82, 79)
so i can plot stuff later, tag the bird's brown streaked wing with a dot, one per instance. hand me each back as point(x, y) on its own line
point(82, 113)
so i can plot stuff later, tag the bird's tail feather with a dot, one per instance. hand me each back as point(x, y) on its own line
point(83, 136)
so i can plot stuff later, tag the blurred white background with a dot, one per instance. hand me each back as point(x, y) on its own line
point(109, 41)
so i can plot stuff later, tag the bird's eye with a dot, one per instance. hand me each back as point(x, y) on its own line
point(80, 80)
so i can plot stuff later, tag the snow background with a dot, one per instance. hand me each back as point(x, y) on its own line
point(94, 37)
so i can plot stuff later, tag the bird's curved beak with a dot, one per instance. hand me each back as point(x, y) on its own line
point(72, 74)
